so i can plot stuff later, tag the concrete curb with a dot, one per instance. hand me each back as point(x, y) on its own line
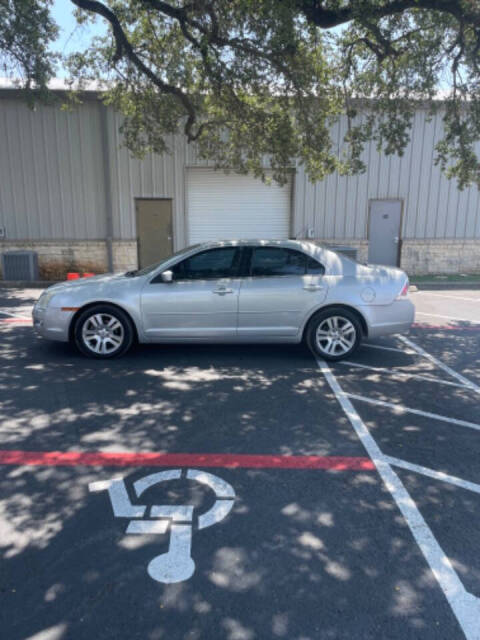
point(469, 284)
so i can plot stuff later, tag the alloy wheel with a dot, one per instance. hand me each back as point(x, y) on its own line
point(335, 336)
point(102, 333)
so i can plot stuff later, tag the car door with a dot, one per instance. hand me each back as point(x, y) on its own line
point(281, 288)
point(200, 303)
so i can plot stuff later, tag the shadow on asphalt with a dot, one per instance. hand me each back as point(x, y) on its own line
point(13, 297)
point(304, 554)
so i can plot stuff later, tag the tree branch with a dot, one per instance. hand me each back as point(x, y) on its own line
point(124, 48)
point(327, 18)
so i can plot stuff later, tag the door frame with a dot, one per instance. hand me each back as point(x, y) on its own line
point(400, 226)
point(137, 199)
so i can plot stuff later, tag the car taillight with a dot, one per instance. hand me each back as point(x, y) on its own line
point(404, 291)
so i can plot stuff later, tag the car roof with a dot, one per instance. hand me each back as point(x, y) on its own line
point(310, 247)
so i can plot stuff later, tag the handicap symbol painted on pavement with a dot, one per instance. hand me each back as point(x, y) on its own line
point(176, 565)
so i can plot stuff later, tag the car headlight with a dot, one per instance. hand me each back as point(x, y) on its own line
point(45, 298)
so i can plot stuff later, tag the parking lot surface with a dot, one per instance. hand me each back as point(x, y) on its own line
point(266, 494)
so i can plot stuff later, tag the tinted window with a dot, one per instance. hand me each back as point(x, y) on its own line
point(314, 267)
point(275, 261)
point(212, 264)
point(152, 267)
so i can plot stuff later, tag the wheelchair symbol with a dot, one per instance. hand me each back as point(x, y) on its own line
point(176, 565)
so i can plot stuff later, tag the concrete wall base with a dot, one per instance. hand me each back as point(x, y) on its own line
point(57, 257)
point(423, 257)
point(418, 257)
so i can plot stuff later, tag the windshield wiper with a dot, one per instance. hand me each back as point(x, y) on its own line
point(130, 274)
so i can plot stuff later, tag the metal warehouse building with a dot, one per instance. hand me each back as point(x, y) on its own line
point(69, 191)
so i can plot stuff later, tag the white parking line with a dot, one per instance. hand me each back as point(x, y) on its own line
point(379, 346)
point(465, 606)
point(400, 374)
point(465, 381)
point(401, 409)
point(441, 295)
point(436, 475)
point(436, 315)
point(14, 315)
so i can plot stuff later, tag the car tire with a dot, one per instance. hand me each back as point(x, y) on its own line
point(334, 334)
point(103, 331)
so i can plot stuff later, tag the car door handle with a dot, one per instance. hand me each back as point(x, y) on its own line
point(221, 291)
point(313, 287)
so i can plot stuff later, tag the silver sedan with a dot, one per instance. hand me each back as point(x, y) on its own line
point(235, 291)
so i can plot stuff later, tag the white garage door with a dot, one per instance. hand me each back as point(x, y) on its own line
point(226, 207)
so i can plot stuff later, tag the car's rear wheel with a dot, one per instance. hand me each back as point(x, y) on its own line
point(334, 334)
point(103, 331)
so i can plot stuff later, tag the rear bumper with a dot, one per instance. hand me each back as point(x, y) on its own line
point(397, 317)
point(52, 323)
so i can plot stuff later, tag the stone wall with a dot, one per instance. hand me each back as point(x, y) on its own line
point(418, 257)
point(57, 258)
point(125, 255)
point(423, 257)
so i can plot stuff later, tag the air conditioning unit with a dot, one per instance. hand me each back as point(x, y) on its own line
point(349, 252)
point(20, 265)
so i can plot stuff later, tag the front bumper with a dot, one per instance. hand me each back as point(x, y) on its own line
point(52, 323)
point(383, 320)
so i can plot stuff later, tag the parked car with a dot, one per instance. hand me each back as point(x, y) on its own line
point(232, 291)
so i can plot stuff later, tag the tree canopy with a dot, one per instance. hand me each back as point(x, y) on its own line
point(245, 79)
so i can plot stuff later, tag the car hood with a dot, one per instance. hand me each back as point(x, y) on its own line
point(106, 278)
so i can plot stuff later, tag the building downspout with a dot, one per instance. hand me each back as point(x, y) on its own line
point(107, 187)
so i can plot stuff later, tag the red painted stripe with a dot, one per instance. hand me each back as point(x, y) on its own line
point(443, 327)
point(228, 460)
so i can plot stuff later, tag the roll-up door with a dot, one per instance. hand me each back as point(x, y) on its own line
point(224, 207)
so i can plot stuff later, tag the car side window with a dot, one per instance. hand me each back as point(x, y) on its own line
point(208, 265)
point(277, 261)
point(314, 268)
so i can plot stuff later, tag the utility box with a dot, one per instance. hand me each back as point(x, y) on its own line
point(20, 265)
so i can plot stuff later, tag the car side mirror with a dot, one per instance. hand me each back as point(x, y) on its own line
point(166, 276)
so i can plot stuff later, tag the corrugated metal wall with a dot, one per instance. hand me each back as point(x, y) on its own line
point(52, 182)
point(152, 177)
point(433, 206)
point(51, 172)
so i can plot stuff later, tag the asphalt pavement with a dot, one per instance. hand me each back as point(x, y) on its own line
point(304, 501)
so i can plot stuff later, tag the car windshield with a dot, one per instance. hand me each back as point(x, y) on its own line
point(156, 265)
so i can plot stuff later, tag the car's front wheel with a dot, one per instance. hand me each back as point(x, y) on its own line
point(334, 334)
point(103, 331)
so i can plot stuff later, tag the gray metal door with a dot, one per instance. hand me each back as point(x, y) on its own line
point(384, 231)
point(154, 230)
